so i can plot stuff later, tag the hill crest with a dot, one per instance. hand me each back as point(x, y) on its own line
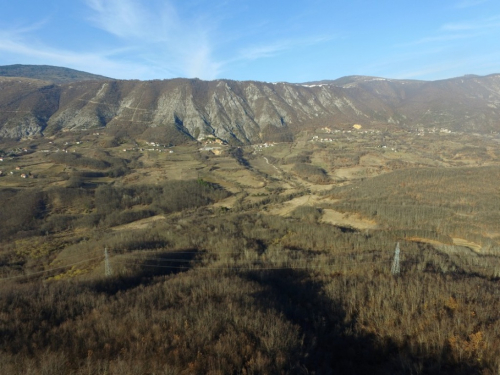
point(54, 74)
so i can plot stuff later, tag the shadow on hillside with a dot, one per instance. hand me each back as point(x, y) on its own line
point(134, 271)
point(331, 344)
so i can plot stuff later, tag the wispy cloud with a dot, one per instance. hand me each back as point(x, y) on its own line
point(469, 3)
point(452, 31)
point(449, 67)
point(17, 44)
point(154, 40)
point(183, 46)
point(129, 19)
point(481, 24)
point(438, 39)
point(273, 49)
point(450, 49)
point(263, 51)
point(189, 46)
point(427, 71)
point(396, 60)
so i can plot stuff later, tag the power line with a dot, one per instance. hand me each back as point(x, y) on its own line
point(293, 264)
point(178, 267)
point(315, 252)
point(83, 253)
point(50, 269)
point(339, 266)
point(137, 256)
point(64, 258)
point(164, 256)
point(204, 260)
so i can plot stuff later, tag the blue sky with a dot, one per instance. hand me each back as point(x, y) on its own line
point(293, 41)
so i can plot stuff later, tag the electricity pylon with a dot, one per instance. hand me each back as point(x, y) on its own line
point(395, 263)
point(107, 267)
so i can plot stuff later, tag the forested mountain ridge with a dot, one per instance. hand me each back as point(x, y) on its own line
point(48, 73)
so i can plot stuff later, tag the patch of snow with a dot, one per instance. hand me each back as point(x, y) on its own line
point(320, 85)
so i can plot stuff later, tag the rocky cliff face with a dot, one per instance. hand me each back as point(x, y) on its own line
point(245, 111)
point(26, 106)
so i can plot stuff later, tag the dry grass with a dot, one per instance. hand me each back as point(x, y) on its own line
point(348, 220)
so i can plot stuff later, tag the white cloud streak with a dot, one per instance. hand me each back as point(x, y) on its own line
point(187, 45)
point(443, 51)
point(458, 30)
point(427, 71)
point(439, 39)
point(128, 19)
point(274, 49)
point(469, 3)
point(149, 41)
point(483, 24)
point(182, 46)
point(17, 44)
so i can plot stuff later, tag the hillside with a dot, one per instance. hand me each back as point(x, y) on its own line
point(127, 248)
point(245, 112)
point(48, 73)
point(125, 257)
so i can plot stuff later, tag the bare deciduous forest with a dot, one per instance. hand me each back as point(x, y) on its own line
point(252, 260)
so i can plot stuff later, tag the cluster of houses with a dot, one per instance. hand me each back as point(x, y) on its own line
point(212, 140)
point(421, 131)
point(153, 144)
point(209, 141)
point(444, 130)
point(147, 149)
point(18, 168)
point(261, 146)
point(328, 130)
point(318, 139)
point(357, 130)
point(15, 152)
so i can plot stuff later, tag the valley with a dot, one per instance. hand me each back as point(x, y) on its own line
point(126, 251)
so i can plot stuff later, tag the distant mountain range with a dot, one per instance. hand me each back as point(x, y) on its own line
point(36, 102)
